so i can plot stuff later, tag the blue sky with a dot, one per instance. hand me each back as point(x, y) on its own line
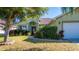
point(52, 12)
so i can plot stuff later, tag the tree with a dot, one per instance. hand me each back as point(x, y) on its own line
point(67, 9)
point(10, 13)
point(32, 23)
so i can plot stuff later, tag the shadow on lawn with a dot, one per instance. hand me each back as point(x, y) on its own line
point(37, 41)
point(28, 40)
point(30, 49)
point(34, 49)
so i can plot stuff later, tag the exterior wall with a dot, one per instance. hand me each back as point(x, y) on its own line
point(26, 23)
point(29, 27)
point(1, 29)
point(54, 24)
point(67, 18)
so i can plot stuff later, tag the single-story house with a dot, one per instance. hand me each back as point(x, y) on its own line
point(2, 26)
point(69, 23)
point(2, 22)
point(26, 25)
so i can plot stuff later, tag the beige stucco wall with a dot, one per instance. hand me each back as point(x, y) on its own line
point(66, 18)
point(53, 24)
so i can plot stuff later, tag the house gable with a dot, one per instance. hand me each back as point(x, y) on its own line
point(69, 16)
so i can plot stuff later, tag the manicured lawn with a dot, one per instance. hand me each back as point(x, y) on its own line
point(22, 43)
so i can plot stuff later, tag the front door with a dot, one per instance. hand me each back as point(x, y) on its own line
point(33, 29)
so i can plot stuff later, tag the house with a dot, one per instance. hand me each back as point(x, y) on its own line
point(2, 22)
point(69, 23)
point(13, 27)
point(2, 26)
point(30, 24)
point(34, 23)
point(26, 25)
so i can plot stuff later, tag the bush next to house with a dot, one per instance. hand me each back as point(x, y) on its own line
point(47, 32)
point(18, 32)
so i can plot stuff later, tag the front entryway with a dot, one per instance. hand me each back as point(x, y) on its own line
point(33, 29)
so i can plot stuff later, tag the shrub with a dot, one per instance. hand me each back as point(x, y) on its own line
point(48, 32)
point(1, 35)
point(18, 32)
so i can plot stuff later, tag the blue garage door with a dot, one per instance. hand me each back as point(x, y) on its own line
point(71, 30)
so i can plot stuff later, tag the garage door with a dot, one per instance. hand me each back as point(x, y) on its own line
point(71, 30)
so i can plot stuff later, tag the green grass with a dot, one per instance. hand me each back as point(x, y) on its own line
point(1, 39)
point(14, 38)
point(22, 44)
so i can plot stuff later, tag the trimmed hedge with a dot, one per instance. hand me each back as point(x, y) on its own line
point(18, 32)
point(47, 32)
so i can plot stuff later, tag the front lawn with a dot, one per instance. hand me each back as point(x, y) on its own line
point(23, 44)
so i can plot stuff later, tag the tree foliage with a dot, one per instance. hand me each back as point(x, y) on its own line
point(10, 13)
point(32, 23)
point(30, 12)
point(67, 9)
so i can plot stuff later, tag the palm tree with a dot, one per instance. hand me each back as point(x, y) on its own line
point(10, 13)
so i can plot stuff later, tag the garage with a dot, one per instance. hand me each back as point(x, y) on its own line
point(71, 30)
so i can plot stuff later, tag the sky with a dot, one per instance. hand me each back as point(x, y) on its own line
point(52, 12)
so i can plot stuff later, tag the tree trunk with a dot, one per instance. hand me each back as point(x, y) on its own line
point(8, 25)
point(6, 36)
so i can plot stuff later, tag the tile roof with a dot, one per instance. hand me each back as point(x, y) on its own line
point(45, 21)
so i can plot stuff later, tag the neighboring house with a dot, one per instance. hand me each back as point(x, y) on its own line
point(38, 23)
point(69, 23)
point(13, 27)
point(2, 22)
point(30, 24)
point(25, 25)
point(2, 26)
